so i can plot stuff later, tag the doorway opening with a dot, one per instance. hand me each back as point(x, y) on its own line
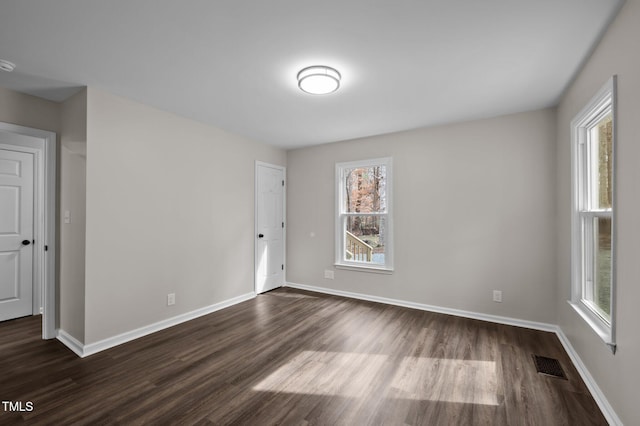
point(270, 230)
point(41, 145)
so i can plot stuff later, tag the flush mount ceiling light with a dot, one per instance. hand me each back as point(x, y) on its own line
point(319, 80)
point(6, 65)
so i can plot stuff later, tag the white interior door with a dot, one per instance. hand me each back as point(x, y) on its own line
point(16, 234)
point(269, 262)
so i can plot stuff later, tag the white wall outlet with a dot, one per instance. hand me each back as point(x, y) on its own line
point(497, 296)
point(171, 299)
point(67, 216)
point(328, 274)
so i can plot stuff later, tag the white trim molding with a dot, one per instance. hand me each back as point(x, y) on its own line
point(83, 350)
point(588, 379)
point(71, 342)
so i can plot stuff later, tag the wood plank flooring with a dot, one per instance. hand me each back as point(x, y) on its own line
point(299, 358)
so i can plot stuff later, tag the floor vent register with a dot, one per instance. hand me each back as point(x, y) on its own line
point(549, 367)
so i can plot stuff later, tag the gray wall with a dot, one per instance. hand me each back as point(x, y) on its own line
point(474, 211)
point(170, 208)
point(25, 110)
point(72, 165)
point(617, 375)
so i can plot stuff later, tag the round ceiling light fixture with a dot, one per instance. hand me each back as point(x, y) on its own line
point(319, 80)
point(7, 66)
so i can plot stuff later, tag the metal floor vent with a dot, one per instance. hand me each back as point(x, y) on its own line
point(549, 367)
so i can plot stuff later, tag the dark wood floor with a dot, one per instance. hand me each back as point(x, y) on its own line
point(293, 357)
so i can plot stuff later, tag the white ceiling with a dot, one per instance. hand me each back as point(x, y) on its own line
point(233, 63)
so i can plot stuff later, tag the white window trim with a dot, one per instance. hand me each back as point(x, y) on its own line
point(340, 262)
point(607, 331)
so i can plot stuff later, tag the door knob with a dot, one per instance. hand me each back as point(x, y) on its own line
point(26, 242)
point(260, 235)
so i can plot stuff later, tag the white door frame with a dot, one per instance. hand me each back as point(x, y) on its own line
point(255, 225)
point(44, 220)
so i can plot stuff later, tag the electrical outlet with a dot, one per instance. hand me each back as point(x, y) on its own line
point(171, 299)
point(328, 274)
point(497, 296)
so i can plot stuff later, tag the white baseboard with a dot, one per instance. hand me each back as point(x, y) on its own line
point(596, 393)
point(588, 379)
point(70, 342)
point(431, 308)
point(92, 348)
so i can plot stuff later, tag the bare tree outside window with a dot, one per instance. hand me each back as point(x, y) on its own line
point(365, 193)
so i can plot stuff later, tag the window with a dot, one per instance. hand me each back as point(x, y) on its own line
point(593, 224)
point(364, 222)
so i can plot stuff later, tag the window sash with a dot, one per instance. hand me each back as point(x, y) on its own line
point(589, 248)
point(608, 214)
point(343, 252)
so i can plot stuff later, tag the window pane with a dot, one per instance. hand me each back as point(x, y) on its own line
point(365, 190)
point(602, 290)
point(364, 239)
point(602, 139)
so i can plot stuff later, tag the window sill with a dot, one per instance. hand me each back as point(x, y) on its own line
point(603, 331)
point(371, 269)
